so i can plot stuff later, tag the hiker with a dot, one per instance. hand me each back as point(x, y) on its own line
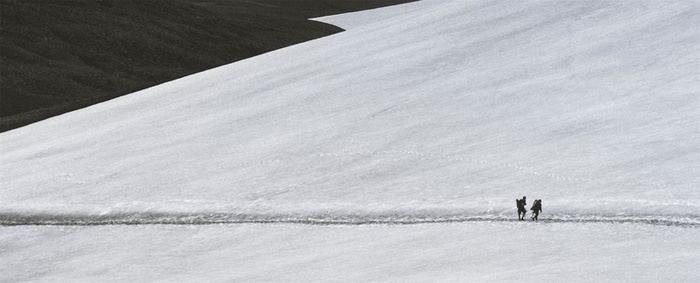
point(521, 207)
point(536, 209)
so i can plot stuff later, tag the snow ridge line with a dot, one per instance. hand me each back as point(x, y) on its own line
point(16, 219)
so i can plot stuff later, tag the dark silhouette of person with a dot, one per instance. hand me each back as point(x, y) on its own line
point(521, 203)
point(536, 209)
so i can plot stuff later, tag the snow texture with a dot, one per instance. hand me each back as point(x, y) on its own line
point(440, 112)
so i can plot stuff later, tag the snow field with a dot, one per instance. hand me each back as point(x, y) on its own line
point(433, 109)
point(471, 252)
point(588, 106)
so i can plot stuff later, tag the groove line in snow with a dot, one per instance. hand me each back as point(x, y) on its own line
point(16, 219)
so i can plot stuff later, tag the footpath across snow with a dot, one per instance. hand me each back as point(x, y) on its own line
point(429, 110)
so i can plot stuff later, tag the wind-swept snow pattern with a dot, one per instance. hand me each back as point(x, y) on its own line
point(438, 113)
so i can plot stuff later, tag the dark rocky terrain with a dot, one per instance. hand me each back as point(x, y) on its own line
point(61, 55)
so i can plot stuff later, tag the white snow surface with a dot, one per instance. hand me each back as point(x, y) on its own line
point(478, 252)
point(433, 110)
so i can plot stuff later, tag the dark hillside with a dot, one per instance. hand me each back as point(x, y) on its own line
point(60, 55)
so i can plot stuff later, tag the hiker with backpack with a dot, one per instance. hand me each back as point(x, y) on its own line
point(521, 203)
point(536, 209)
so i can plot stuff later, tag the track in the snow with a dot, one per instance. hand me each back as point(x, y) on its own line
point(18, 219)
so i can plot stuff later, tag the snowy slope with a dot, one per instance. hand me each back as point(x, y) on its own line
point(476, 252)
point(435, 110)
point(456, 105)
